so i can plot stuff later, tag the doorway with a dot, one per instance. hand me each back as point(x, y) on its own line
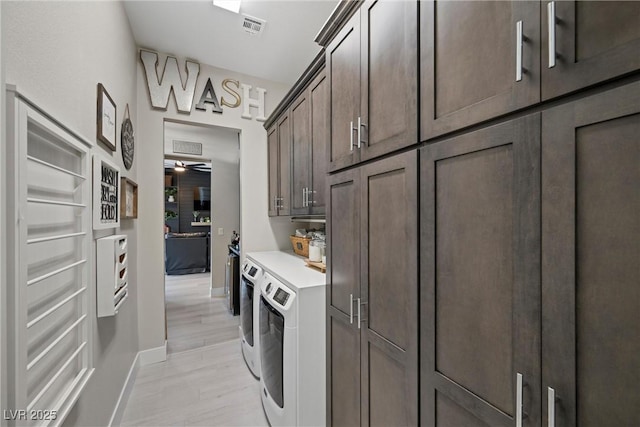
point(202, 213)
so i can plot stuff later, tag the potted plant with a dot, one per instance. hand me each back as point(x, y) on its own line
point(169, 215)
point(170, 193)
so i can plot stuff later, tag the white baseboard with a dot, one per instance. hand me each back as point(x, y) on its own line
point(153, 355)
point(216, 292)
point(121, 404)
point(143, 358)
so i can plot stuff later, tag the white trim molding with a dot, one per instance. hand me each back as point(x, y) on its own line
point(125, 393)
point(153, 355)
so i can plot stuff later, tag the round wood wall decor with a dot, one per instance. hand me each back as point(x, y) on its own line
point(126, 141)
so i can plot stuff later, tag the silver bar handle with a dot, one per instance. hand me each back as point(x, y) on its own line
point(551, 24)
point(351, 134)
point(518, 51)
point(358, 313)
point(351, 308)
point(551, 407)
point(304, 197)
point(360, 124)
point(275, 202)
point(519, 385)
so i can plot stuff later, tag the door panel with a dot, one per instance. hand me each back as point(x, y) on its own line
point(272, 165)
point(343, 66)
point(450, 414)
point(389, 291)
point(590, 292)
point(468, 62)
point(300, 152)
point(343, 234)
point(595, 41)
point(284, 148)
point(480, 266)
point(343, 401)
point(389, 76)
point(320, 133)
point(474, 219)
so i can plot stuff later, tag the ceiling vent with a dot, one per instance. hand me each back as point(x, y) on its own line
point(253, 25)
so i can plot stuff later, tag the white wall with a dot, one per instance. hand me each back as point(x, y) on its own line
point(221, 147)
point(56, 53)
point(3, 253)
point(258, 231)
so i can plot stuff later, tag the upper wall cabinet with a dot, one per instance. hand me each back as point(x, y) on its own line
point(372, 71)
point(278, 147)
point(587, 42)
point(483, 59)
point(478, 60)
point(309, 137)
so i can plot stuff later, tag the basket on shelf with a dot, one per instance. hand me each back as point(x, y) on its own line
point(300, 245)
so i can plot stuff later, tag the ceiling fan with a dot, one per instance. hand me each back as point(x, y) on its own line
point(180, 166)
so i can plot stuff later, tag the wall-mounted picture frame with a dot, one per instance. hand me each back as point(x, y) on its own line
point(106, 193)
point(107, 114)
point(129, 205)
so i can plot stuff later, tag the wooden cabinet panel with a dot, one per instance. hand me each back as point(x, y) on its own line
point(594, 41)
point(300, 153)
point(590, 270)
point(343, 234)
point(389, 67)
point(272, 165)
point(468, 62)
point(343, 67)
point(284, 156)
point(389, 285)
point(343, 382)
point(320, 133)
point(480, 245)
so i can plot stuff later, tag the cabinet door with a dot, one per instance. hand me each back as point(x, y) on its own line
point(343, 234)
point(343, 369)
point(594, 41)
point(300, 153)
point(284, 162)
point(319, 96)
point(272, 169)
point(389, 301)
point(480, 277)
point(469, 61)
point(389, 106)
point(343, 67)
point(590, 254)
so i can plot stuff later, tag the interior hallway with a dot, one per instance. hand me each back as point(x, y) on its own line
point(204, 380)
point(194, 319)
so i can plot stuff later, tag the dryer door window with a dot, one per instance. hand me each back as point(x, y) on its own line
point(271, 347)
point(246, 310)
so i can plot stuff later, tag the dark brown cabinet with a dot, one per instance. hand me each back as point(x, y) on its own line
point(480, 277)
point(372, 294)
point(309, 136)
point(484, 59)
point(479, 60)
point(372, 70)
point(529, 269)
point(590, 254)
point(278, 152)
point(587, 42)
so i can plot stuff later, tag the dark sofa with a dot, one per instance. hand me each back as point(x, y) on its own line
point(186, 253)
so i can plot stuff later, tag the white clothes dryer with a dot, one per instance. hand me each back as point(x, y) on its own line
point(249, 314)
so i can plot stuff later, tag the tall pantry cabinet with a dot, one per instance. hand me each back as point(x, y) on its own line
point(372, 271)
point(526, 202)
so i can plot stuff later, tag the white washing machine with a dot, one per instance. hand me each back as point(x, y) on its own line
point(292, 353)
point(249, 314)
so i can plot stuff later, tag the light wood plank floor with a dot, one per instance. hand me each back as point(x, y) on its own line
point(209, 386)
point(195, 319)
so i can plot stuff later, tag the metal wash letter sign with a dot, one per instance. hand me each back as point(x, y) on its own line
point(160, 89)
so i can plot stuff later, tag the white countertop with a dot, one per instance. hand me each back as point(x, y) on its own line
point(289, 268)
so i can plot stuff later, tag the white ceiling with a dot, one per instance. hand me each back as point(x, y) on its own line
point(210, 35)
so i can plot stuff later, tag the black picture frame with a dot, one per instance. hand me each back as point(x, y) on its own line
point(106, 119)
